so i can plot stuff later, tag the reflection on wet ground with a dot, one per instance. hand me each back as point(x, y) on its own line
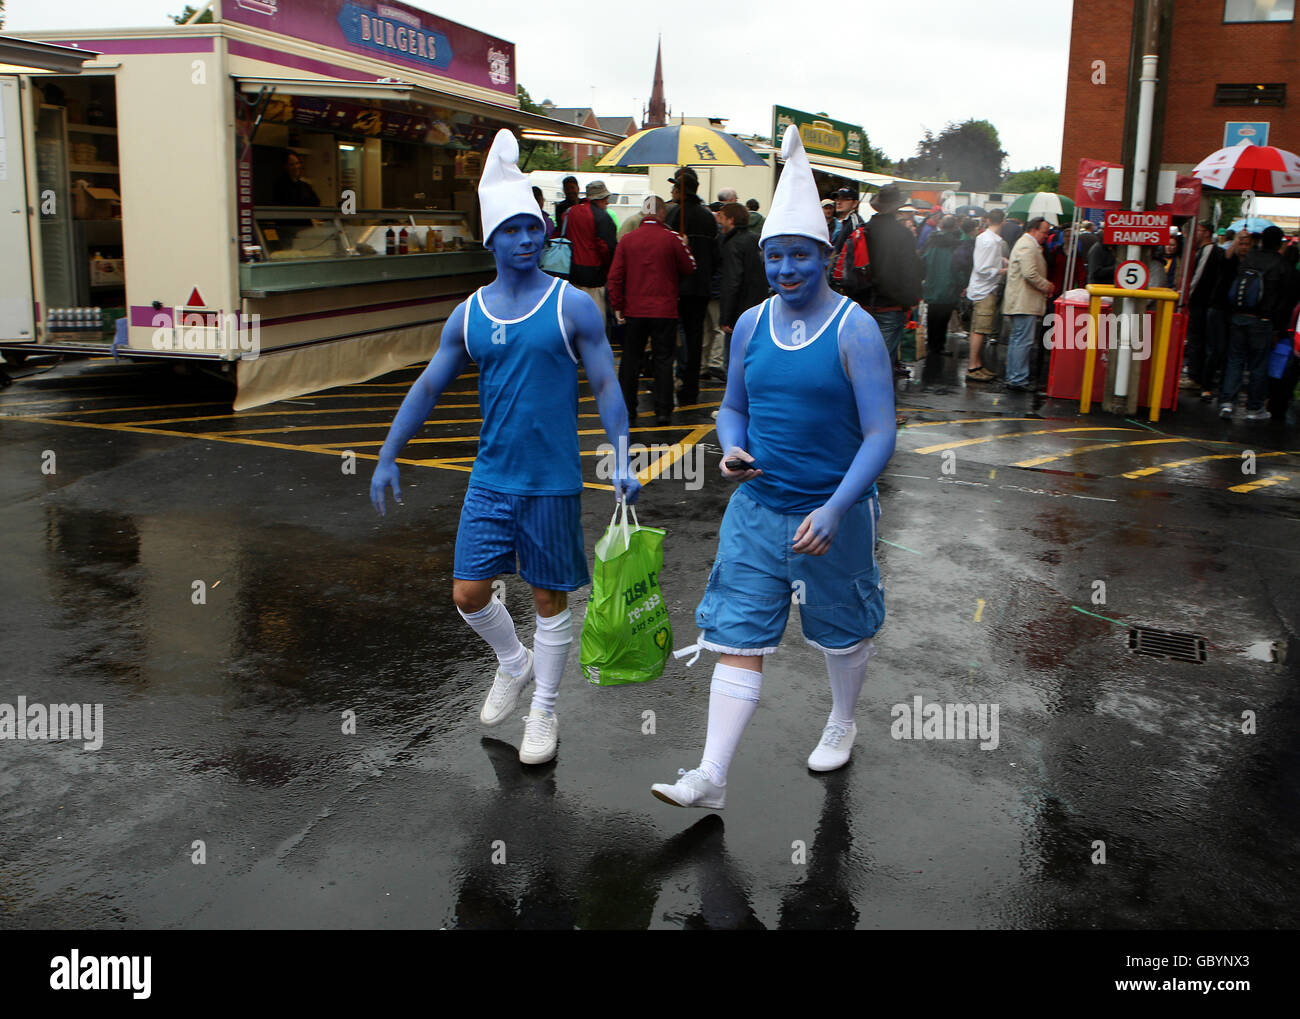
point(287, 686)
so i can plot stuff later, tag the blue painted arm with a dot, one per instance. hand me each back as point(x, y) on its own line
point(866, 363)
point(450, 361)
point(733, 415)
point(584, 323)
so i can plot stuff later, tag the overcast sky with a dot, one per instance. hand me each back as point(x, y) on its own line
point(895, 69)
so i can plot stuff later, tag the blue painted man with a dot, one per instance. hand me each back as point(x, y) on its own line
point(526, 331)
point(810, 403)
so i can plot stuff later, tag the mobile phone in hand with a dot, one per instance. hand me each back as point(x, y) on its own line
point(736, 464)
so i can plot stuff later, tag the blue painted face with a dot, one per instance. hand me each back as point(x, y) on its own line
point(796, 268)
point(518, 242)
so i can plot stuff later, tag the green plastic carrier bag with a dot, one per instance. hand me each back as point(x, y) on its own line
point(626, 635)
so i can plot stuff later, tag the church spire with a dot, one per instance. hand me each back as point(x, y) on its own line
point(657, 112)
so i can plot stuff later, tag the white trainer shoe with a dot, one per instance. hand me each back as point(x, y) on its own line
point(836, 746)
point(541, 733)
point(504, 695)
point(693, 789)
point(1225, 410)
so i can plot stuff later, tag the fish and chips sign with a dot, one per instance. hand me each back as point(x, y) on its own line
point(820, 135)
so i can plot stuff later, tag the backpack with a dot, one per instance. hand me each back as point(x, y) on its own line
point(1247, 293)
point(851, 265)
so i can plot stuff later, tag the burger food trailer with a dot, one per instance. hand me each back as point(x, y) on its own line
point(287, 194)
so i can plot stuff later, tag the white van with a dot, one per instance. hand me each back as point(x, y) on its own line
point(627, 190)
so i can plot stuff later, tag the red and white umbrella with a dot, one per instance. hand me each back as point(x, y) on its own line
point(1245, 167)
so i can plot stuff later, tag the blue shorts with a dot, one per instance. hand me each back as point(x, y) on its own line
point(543, 531)
point(756, 577)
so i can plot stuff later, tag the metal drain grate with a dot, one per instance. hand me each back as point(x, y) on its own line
point(1181, 647)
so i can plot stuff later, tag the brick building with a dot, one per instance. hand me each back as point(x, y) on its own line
point(585, 117)
point(1222, 61)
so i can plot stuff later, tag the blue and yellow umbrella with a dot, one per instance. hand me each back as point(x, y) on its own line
point(681, 145)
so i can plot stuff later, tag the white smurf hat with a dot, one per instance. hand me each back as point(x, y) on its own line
point(796, 206)
point(503, 190)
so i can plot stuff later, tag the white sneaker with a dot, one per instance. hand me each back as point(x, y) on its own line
point(541, 732)
point(836, 745)
point(504, 695)
point(1225, 410)
point(1259, 415)
point(693, 789)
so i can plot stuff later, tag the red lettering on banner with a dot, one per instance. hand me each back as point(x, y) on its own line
point(1136, 228)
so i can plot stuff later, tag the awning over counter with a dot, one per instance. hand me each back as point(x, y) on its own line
point(879, 180)
point(26, 56)
point(538, 128)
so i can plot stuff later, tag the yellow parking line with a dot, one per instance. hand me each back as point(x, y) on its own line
point(956, 421)
point(474, 438)
point(154, 406)
point(674, 453)
point(308, 397)
point(284, 413)
point(1013, 435)
point(41, 403)
point(1038, 461)
point(380, 442)
point(326, 428)
point(217, 437)
point(689, 406)
point(1144, 472)
point(1268, 482)
point(397, 385)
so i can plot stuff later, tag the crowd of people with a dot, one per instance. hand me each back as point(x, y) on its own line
point(676, 275)
point(972, 277)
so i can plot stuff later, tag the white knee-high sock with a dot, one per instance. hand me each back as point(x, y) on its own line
point(496, 627)
point(847, 674)
point(733, 697)
point(550, 650)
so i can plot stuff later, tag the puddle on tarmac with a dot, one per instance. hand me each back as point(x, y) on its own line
point(1263, 651)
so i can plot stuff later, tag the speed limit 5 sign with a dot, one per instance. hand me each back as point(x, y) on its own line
point(1131, 275)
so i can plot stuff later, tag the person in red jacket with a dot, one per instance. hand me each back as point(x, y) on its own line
point(593, 239)
point(643, 293)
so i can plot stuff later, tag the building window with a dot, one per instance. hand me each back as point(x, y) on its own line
point(1250, 95)
point(1259, 10)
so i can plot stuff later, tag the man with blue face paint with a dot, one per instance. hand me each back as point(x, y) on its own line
point(526, 331)
point(810, 404)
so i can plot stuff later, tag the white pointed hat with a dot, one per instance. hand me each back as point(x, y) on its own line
point(796, 206)
point(503, 190)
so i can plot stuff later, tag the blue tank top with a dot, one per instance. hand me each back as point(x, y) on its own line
point(803, 420)
point(528, 392)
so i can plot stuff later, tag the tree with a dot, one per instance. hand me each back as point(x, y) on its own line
point(1025, 182)
point(540, 157)
point(204, 19)
point(526, 101)
point(545, 157)
point(875, 159)
point(1229, 206)
point(969, 152)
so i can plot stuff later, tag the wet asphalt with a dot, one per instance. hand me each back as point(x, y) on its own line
point(224, 721)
